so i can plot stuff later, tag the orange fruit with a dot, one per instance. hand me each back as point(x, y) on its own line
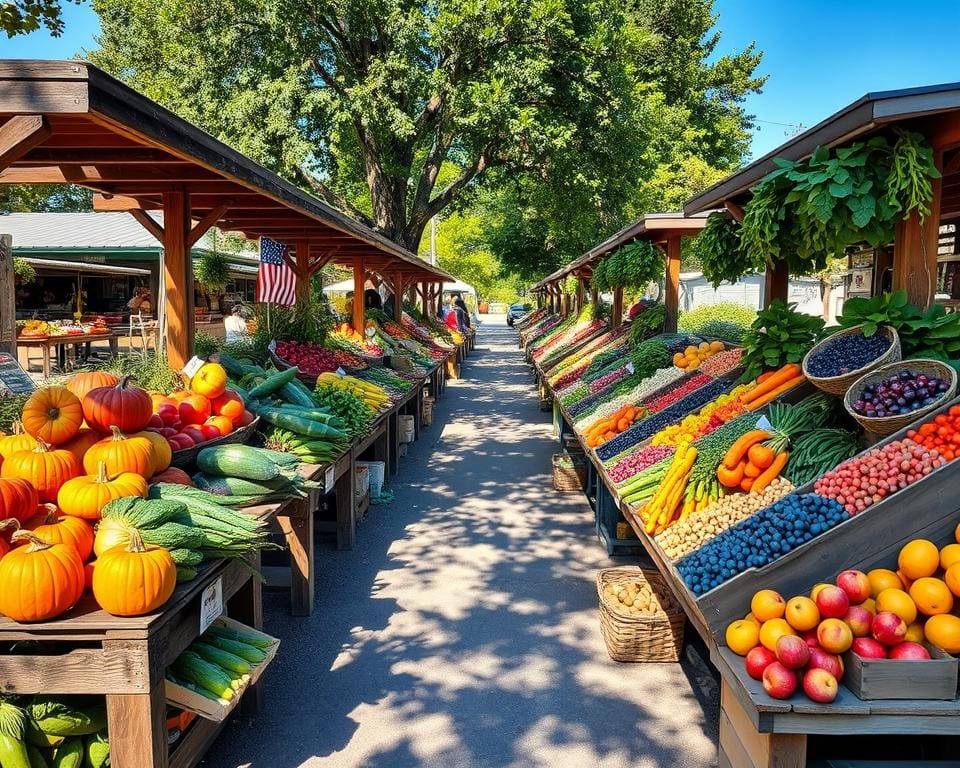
point(742, 636)
point(931, 596)
point(768, 604)
point(751, 617)
point(881, 579)
point(944, 631)
point(918, 558)
point(907, 582)
point(772, 630)
point(949, 555)
point(914, 633)
point(952, 578)
point(899, 602)
point(802, 613)
point(956, 533)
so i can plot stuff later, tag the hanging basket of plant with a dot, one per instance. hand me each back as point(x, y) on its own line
point(634, 266)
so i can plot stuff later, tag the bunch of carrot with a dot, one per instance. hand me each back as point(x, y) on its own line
point(749, 465)
point(772, 384)
point(666, 505)
point(610, 427)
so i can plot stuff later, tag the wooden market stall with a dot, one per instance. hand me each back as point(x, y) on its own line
point(664, 230)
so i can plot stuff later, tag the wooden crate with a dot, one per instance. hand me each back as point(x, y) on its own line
point(208, 708)
point(872, 679)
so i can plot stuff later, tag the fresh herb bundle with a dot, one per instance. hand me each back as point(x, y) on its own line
point(778, 336)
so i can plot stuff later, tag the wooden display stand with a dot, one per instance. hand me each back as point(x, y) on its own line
point(126, 659)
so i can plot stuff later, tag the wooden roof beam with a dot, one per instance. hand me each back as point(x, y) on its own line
point(19, 135)
point(105, 173)
point(129, 155)
point(200, 228)
point(148, 223)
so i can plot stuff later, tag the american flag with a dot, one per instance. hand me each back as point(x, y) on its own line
point(276, 282)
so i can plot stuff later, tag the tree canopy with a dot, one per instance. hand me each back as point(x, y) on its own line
point(22, 16)
point(576, 113)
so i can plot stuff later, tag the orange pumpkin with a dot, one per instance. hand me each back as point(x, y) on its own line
point(81, 443)
point(18, 499)
point(81, 383)
point(40, 581)
point(52, 528)
point(135, 579)
point(10, 525)
point(18, 441)
point(124, 406)
point(172, 475)
point(85, 496)
point(53, 415)
point(162, 452)
point(222, 423)
point(121, 454)
point(229, 404)
point(210, 380)
point(43, 468)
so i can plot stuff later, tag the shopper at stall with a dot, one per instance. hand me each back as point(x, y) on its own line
point(371, 299)
point(461, 305)
point(140, 303)
point(236, 326)
point(450, 318)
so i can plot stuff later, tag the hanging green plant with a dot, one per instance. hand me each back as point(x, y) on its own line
point(599, 279)
point(570, 285)
point(23, 271)
point(807, 211)
point(634, 266)
point(212, 271)
point(720, 253)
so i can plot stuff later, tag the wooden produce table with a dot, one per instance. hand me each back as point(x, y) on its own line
point(55, 343)
point(126, 660)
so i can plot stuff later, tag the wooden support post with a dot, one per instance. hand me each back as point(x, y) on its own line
point(359, 280)
point(8, 298)
point(777, 283)
point(424, 297)
point(915, 247)
point(19, 135)
point(742, 746)
point(581, 292)
point(672, 292)
point(617, 318)
point(178, 278)
point(302, 261)
point(594, 295)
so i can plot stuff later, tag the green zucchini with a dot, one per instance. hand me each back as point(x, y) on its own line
point(228, 633)
point(69, 754)
point(280, 458)
point(237, 461)
point(274, 382)
point(199, 690)
point(308, 427)
point(223, 659)
point(244, 651)
point(195, 670)
point(295, 395)
point(238, 486)
point(232, 366)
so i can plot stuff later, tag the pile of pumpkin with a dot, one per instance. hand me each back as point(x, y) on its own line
point(78, 447)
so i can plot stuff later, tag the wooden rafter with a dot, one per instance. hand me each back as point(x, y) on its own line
point(201, 227)
point(20, 134)
point(148, 223)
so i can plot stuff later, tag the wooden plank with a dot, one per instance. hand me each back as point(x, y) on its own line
point(178, 279)
point(37, 97)
point(730, 747)
point(346, 505)
point(121, 669)
point(764, 750)
point(297, 528)
point(193, 745)
point(103, 202)
point(147, 221)
point(19, 135)
point(359, 279)
point(776, 283)
point(617, 318)
point(210, 219)
point(137, 725)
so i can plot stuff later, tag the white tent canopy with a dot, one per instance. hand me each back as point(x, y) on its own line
point(344, 286)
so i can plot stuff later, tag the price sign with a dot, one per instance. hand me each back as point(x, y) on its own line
point(629, 367)
point(341, 373)
point(13, 377)
point(762, 423)
point(328, 479)
point(192, 366)
point(211, 604)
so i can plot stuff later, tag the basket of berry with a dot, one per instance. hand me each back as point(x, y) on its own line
point(894, 395)
point(839, 360)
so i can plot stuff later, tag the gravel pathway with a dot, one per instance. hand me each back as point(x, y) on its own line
point(463, 630)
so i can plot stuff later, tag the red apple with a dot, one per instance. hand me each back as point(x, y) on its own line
point(869, 648)
point(758, 659)
point(778, 681)
point(810, 637)
point(169, 414)
point(909, 651)
point(859, 620)
point(155, 421)
point(819, 685)
point(194, 433)
point(181, 441)
point(820, 659)
point(855, 584)
point(792, 651)
point(832, 602)
point(888, 628)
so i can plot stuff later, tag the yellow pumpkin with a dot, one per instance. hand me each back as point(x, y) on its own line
point(18, 441)
point(134, 579)
point(121, 454)
point(87, 495)
point(162, 452)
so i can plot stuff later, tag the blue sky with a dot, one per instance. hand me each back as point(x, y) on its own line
point(820, 54)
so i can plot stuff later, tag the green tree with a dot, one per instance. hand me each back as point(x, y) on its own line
point(44, 198)
point(22, 16)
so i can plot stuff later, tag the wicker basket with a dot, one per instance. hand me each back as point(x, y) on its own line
point(838, 385)
point(569, 472)
point(640, 637)
point(887, 425)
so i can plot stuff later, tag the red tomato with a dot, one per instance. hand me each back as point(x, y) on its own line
point(194, 409)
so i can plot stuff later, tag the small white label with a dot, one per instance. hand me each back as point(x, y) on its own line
point(341, 373)
point(629, 367)
point(192, 366)
point(762, 423)
point(211, 604)
point(328, 479)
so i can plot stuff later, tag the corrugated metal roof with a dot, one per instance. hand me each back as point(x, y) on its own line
point(80, 267)
point(78, 230)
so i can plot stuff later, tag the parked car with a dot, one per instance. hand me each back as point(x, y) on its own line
point(517, 311)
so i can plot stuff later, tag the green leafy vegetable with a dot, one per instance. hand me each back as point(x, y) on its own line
point(778, 336)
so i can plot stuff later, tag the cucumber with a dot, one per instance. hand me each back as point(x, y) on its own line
point(218, 630)
point(300, 425)
point(223, 659)
point(274, 382)
point(69, 754)
point(244, 651)
point(279, 457)
point(237, 461)
point(195, 670)
point(293, 394)
point(199, 690)
point(238, 486)
point(232, 366)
